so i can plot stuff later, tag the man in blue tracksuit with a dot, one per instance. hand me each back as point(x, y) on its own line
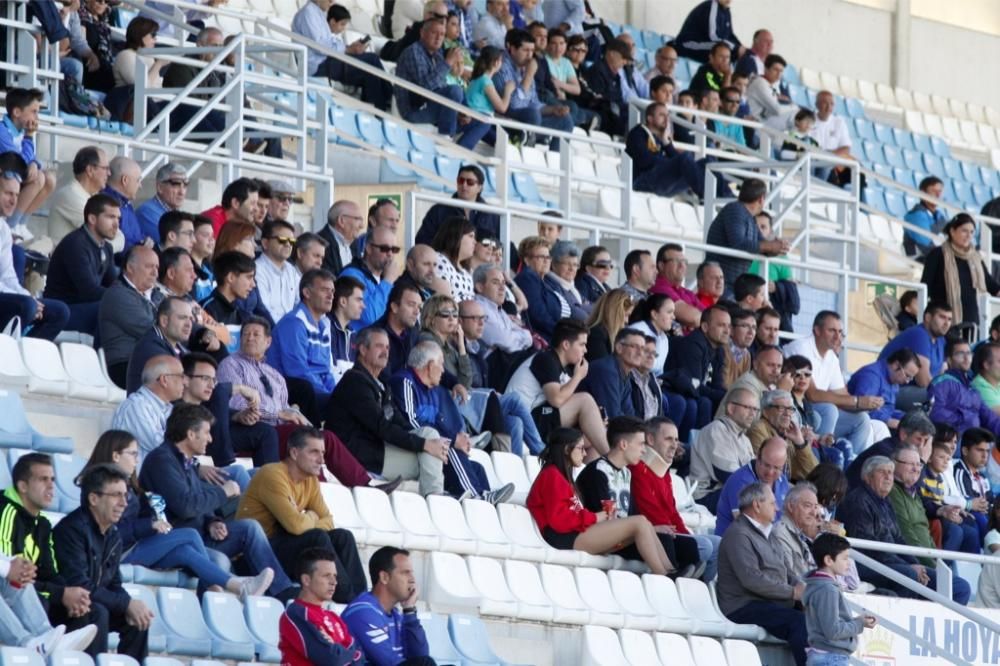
point(708, 22)
point(389, 636)
point(419, 395)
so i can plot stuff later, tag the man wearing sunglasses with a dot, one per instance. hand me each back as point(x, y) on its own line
point(277, 279)
point(171, 189)
point(377, 270)
point(469, 188)
point(883, 378)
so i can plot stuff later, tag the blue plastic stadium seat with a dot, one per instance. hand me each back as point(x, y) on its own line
point(791, 75)
point(990, 178)
point(971, 173)
point(933, 165)
point(106, 659)
point(884, 134)
point(73, 120)
point(903, 177)
point(397, 135)
point(468, 634)
point(893, 157)
point(262, 615)
point(922, 142)
point(652, 40)
point(346, 123)
point(447, 167)
point(864, 128)
point(20, 656)
point(67, 468)
point(64, 658)
point(873, 152)
point(894, 203)
point(162, 661)
point(839, 106)
point(940, 147)
point(875, 197)
point(183, 624)
point(157, 630)
point(370, 129)
point(963, 193)
point(422, 142)
point(854, 108)
point(490, 187)
point(16, 432)
point(155, 577)
point(224, 617)
point(527, 190)
point(904, 138)
point(442, 649)
point(952, 167)
point(5, 480)
point(982, 195)
point(424, 160)
point(884, 170)
point(913, 159)
point(799, 95)
point(948, 194)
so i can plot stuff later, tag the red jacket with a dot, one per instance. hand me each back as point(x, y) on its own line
point(310, 634)
point(218, 216)
point(653, 497)
point(553, 503)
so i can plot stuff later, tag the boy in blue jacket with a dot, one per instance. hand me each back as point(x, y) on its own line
point(17, 134)
point(389, 636)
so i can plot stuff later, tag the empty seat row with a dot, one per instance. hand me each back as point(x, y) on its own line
point(70, 370)
point(17, 432)
point(577, 596)
point(629, 647)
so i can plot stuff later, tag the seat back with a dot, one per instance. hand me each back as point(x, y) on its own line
point(509, 468)
point(262, 615)
point(639, 648)
point(12, 370)
point(340, 502)
point(468, 634)
point(448, 583)
point(519, 526)
point(697, 600)
point(82, 365)
point(107, 659)
point(595, 590)
point(374, 508)
point(487, 575)
point(627, 589)
point(448, 517)
point(42, 359)
point(532, 467)
point(412, 514)
point(601, 647)
point(442, 650)
point(707, 651)
point(20, 656)
point(559, 586)
point(62, 658)
point(740, 652)
point(483, 459)
point(673, 649)
point(525, 583)
point(482, 520)
point(224, 617)
point(181, 613)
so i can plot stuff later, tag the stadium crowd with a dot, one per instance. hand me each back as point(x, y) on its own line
point(343, 353)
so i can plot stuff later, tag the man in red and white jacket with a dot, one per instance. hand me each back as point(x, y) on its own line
point(309, 633)
point(653, 494)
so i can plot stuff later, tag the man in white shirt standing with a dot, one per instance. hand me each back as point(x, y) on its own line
point(841, 413)
point(277, 279)
point(763, 95)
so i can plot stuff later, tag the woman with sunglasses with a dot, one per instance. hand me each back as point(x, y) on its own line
point(455, 242)
point(439, 324)
point(595, 271)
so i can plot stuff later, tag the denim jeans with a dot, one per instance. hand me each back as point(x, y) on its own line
point(708, 552)
point(517, 416)
point(54, 315)
point(445, 118)
point(83, 318)
point(71, 68)
point(781, 621)
point(246, 538)
point(827, 659)
point(852, 426)
point(22, 616)
point(180, 548)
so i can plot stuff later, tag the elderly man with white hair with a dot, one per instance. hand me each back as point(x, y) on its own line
point(124, 180)
point(866, 513)
point(776, 420)
point(171, 189)
point(798, 526)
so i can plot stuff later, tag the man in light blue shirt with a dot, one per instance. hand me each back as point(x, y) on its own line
point(634, 84)
point(567, 15)
point(324, 22)
point(145, 412)
point(927, 216)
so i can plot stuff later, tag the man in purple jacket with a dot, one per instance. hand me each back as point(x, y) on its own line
point(956, 402)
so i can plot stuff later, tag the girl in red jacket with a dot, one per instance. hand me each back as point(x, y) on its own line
point(566, 525)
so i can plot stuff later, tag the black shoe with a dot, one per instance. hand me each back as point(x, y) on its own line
point(288, 594)
point(389, 486)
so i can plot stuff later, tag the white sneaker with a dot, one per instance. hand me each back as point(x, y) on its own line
point(45, 644)
point(77, 640)
point(21, 230)
point(254, 586)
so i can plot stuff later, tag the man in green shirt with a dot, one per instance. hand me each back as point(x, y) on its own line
point(905, 499)
point(986, 365)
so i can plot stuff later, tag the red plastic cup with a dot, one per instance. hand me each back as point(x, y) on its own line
point(609, 507)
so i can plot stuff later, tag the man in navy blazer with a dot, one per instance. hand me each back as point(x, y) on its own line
point(608, 378)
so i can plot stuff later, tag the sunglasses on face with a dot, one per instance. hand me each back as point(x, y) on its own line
point(284, 240)
point(284, 198)
point(176, 183)
point(610, 265)
point(448, 314)
point(385, 249)
point(462, 180)
point(490, 243)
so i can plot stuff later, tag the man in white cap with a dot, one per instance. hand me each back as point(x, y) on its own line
point(283, 195)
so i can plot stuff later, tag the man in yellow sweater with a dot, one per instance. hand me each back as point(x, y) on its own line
point(284, 497)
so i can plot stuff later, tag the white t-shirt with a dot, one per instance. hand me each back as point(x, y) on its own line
point(827, 375)
point(831, 133)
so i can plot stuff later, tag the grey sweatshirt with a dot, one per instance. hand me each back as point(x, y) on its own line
point(830, 624)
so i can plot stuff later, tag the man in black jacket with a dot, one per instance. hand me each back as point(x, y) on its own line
point(167, 337)
point(344, 223)
point(89, 551)
point(361, 413)
point(470, 182)
point(604, 80)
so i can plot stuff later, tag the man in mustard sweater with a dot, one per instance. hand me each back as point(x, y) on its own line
point(284, 497)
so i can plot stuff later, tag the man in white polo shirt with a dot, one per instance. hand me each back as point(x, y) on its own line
point(842, 414)
point(829, 131)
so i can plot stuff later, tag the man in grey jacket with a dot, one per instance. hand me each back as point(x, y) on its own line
point(755, 585)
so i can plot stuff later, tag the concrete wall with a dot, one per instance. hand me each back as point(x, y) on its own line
point(855, 38)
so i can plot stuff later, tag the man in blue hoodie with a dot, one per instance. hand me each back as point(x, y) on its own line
point(389, 636)
point(17, 133)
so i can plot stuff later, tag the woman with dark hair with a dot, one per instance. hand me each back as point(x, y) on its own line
point(955, 272)
point(545, 307)
point(140, 34)
point(95, 21)
point(655, 316)
point(555, 505)
point(455, 242)
point(831, 487)
point(147, 537)
point(595, 271)
point(828, 448)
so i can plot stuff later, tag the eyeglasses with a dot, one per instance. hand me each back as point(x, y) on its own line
point(478, 318)
point(610, 265)
point(284, 240)
point(751, 326)
point(448, 314)
point(579, 49)
point(463, 180)
point(803, 374)
point(284, 198)
point(730, 100)
point(782, 409)
point(914, 465)
point(176, 183)
point(173, 374)
point(385, 249)
point(750, 407)
point(106, 167)
point(208, 379)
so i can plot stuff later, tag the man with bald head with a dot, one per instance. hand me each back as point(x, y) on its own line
point(752, 61)
point(145, 412)
point(421, 270)
point(128, 309)
point(769, 468)
point(664, 63)
point(830, 131)
point(723, 447)
point(343, 225)
point(377, 271)
point(124, 180)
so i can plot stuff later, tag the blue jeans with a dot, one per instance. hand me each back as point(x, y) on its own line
point(517, 416)
point(960, 590)
point(532, 115)
point(181, 548)
point(246, 539)
point(83, 318)
point(22, 616)
point(687, 413)
point(828, 659)
point(71, 68)
point(855, 427)
point(786, 623)
point(708, 552)
point(55, 315)
point(445, 118)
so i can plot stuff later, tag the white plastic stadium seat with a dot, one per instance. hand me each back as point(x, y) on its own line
point(526, 544)
point(456, 537)
point(509, 468)
point(627, 590)
point(673, 649)
point(47, 374)
point(697, 601)
point(868, 94)
point(495, 597)
point(12, 370)
point(601, 648)
point(526, 586)
point(413, 516)
point(743, 653)
point(383, 528)
point(483, 459)
point(559, 586)
point(86, 379)
point(661, 593)
point(340, 502)
point(482, 520)
point(707, 651)
point(596, 593)
point(448, 584)
point(639, 648)
point(532, 467)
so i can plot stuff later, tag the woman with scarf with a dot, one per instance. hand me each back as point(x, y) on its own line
point(955, 272)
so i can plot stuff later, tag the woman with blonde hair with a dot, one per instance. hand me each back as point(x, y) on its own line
point(610, 314)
